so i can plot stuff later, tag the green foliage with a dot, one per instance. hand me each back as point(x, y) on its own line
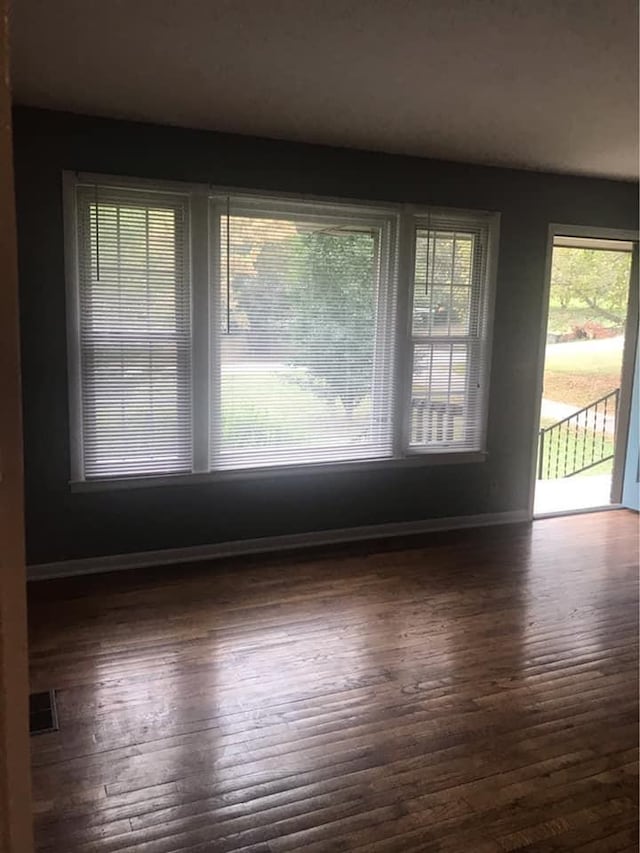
point(580, 372)
point(308, 298)
point(248, 414)
point(593, 279)
point(585, 357)
point(335, 339)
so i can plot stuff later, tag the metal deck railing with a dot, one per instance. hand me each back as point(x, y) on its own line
point(580, 441)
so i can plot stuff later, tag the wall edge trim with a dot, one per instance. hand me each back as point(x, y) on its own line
point(195, 553)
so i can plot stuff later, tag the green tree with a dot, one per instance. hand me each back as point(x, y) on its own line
point(307, 296)
point(591, 277)
point(333, 332)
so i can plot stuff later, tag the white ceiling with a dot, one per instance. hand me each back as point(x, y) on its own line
point(541, 84)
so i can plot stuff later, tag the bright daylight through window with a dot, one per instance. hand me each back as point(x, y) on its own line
point(304, 366)
point(213, 332)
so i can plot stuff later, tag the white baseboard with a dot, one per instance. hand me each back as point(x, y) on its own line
point(193, 553)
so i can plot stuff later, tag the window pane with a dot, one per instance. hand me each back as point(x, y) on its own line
point(300, 343)
point(134, 334)
point(442, 304)
point(444, 390)
point(135, 417)
point(449, 328)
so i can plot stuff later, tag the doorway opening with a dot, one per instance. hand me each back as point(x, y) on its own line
point(583, 401)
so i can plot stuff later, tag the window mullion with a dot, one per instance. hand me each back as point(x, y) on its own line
point(383, 380)
point(215, 314)
point(200, 300)
point(404, 342)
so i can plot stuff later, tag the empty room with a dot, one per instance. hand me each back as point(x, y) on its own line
point(319, 447)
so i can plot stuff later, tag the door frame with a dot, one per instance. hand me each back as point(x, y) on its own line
point(558, 229)
point(626, 382)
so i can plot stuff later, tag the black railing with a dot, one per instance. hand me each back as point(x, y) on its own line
point(580, 441)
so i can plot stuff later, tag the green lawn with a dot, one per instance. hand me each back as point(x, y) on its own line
point(564, 320)
point(285, 407)
point(586, 357)
point(579, 372)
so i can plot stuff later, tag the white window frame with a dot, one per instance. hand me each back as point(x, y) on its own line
point(203, 253)
point(383, 221)
point(419, 217)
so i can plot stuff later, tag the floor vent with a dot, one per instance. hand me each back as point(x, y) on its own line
point(43, 715)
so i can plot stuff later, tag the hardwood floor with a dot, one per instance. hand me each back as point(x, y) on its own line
point(469, 691)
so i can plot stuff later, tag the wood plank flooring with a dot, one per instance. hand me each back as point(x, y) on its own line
point(466, 691)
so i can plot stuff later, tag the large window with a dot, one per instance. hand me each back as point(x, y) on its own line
point(216, 332)
point(303, 344)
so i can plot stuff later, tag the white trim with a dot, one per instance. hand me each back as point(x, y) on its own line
point(493, 251)
point(200, 329)
point(218, 192)
point(269, 471)
point(214, 424)
point(557, 229)
point(623, 418)
point(562, 241)
point(129, 182)
point(539, 379)
point(428, 219)
point(461, 214)
point(560, 229)
point(404, 327)
point(195, 553)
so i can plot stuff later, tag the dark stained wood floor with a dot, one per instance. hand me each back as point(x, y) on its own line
point(470, 691)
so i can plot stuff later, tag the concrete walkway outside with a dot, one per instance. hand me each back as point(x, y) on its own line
point(571, 493)
point(555, 411)
point(583, 491)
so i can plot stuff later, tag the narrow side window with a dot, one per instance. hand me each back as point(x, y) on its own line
point(134, 332)
point(449, 347)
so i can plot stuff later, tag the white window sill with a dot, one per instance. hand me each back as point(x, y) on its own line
point(414, 460)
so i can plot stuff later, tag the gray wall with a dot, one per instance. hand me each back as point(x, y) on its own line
point(62, 525)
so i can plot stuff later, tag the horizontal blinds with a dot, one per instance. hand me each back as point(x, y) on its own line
point(449, 346)
point(135, 332)
point(303, 361)
point(293, 354)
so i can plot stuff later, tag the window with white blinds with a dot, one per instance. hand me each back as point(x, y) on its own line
point(449, 342)
point(304, 363)
point(216, 332)
point(134, 330)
